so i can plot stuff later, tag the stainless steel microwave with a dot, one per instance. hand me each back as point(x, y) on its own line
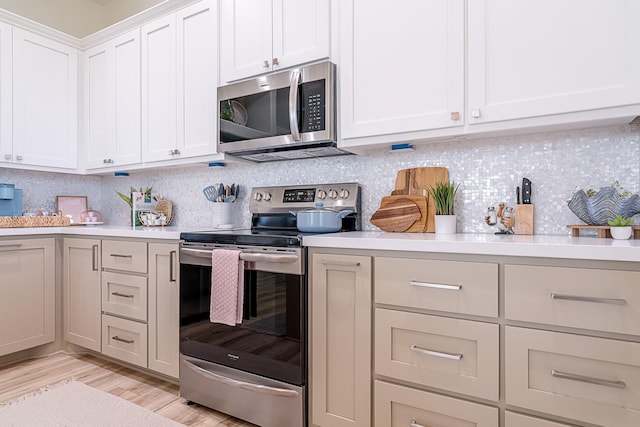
point(281, 116)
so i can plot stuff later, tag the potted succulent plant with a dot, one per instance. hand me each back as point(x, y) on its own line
point(443, 195)
point(621, 227)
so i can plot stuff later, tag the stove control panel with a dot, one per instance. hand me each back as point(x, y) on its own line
point(295, 197)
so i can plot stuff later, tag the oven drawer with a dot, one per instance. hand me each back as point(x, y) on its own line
point(399, 406)
point(604, 300)
point(590, 379)
point(454, 286)
point(124, 295)
point(124, 339)
point(124, 256)
point(450, 354)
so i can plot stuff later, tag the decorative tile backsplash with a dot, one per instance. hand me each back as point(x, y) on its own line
point(488, 171)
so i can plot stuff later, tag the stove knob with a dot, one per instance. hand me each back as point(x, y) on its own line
point(266, 197)
point(322, 194)
point(333, 194)
point(258, 197)
point(344, 194)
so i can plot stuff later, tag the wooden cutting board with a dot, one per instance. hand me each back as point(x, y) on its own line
point(399, 213)
point(415, 182)
point(389, 203)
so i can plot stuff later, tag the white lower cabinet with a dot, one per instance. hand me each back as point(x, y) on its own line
point(27, 294)
point(399, 406)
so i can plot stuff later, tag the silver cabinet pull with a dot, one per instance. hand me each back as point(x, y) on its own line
point(341, 263)
point(293, 102)
point(7, 156)
point(259, 388)
point(118, 294)
point(94, 257)
point(424, 351)
point(415, 424)
point(590, 380)
point(121, 256)
point(19, 157)
point(614, 301)
point(275, 62)
point(172, 266)
point(436, 285)
point(265, 64)
point(117, 338)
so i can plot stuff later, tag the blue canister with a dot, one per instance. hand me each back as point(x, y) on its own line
point(6, 191)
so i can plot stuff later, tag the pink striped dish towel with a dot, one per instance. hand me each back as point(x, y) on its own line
point(227, 287)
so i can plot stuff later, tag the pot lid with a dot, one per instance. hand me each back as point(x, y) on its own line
point(319, 208)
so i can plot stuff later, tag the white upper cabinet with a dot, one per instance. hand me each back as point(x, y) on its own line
point(112, 102)
point(258, 36)
point(539, 58)
point(401, 66)
point(6, 122)
point(179, 80)
point(45, 102)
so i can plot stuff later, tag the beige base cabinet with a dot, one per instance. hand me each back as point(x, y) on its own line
point(121, 299)
point(340, 353)
point(398, 406)
point(27, 294)
point(164, 316)
point(81, 292)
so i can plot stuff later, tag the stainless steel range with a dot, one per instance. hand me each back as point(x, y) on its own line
point(257, 369)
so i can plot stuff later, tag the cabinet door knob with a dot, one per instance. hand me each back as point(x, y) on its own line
point(475, 113)
point(7, 156)
point(275, 62)
point(455, 115)
point(265, 64)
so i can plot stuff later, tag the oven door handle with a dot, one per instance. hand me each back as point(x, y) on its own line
point(259, 388)
point(246, 256)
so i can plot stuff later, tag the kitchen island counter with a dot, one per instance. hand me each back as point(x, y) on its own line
point(546, 246)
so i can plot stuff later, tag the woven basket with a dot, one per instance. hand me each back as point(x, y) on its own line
point(163, 207)
point(34, 221)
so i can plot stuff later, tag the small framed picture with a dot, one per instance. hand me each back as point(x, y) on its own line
point(71, 206)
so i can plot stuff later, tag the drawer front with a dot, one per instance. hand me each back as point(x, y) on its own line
point(124, 295)
point(451, 354)
point(125, 340)
point(594, 380)
point(399, 406)
point(124, 256)
point(604, 300)
point(512, 419)
point(454, 286)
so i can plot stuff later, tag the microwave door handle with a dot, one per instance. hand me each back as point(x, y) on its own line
point(293, 103)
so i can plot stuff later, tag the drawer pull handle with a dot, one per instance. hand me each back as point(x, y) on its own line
point(121, 256)
point(118, 294)
point(436, 285)
point(614, 301)
point(590, 380)
point(342, 263)
point(415, 424)
point(117, 338)
point(451, 356)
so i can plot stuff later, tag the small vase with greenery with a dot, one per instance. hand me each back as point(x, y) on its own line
point(444, 194)
point(621, 227)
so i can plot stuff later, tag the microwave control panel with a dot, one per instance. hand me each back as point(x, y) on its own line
point(313, 106)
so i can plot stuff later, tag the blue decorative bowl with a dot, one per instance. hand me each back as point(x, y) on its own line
point(606, 204)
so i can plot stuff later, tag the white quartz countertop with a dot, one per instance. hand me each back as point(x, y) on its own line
point(172, 233)
point(547, 246)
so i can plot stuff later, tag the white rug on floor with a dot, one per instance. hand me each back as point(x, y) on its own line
point(73, 403)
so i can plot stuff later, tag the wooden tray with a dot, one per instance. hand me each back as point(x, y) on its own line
point(602, 231)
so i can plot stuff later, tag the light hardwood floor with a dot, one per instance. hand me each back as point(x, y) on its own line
point(144, 390)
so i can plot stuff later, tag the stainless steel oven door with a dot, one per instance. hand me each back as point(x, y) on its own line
point(271, 340)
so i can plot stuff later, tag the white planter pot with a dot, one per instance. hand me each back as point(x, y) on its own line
point(445, 224)
point(620, 233)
